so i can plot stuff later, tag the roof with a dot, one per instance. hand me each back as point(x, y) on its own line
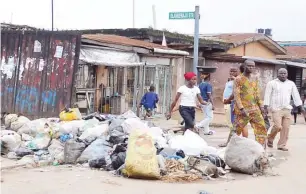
point(6, 26)
point(156, 36)
point(120, 40)
point(239, 59)
point(294, 52)
point(291, 43)
point(238, 39)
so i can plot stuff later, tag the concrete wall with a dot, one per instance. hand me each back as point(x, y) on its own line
point(254, 49)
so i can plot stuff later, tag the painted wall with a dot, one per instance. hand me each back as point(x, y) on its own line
point(254, 49)
point(37, 80)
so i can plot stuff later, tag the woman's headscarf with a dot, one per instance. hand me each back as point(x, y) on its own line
point(189, 75)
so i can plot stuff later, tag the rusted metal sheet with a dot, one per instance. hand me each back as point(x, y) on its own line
point(44, 73)
point(9, 63)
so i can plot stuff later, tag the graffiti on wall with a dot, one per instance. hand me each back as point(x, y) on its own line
point(37, 70)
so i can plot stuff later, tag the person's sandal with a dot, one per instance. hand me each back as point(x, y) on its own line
point(270, 144)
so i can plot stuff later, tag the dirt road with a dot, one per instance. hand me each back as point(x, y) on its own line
point(71, 180)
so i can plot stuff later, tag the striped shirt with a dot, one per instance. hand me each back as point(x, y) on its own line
point(278, 95)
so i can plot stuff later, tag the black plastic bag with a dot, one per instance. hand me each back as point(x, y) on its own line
point(214, 159)
point(94, 115)
point(118, 159)
point(97, 163)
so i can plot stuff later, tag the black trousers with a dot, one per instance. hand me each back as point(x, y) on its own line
point(188, 114)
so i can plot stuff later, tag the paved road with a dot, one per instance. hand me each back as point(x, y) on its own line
point(66, 180)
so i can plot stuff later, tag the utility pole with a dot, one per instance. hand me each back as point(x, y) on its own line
point(52, 13)
point(11, 17)
point(133, 13)
point(154, 16)
point(196, 39)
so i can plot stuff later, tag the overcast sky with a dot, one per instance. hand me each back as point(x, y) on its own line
point(287, 18)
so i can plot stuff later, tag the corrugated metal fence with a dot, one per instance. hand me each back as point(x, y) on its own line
point(37, 71)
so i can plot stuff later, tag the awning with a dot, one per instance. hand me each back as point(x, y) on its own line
point(107, 57)
point(276, 62)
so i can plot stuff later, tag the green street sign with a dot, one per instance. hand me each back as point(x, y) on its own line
point(181, 15)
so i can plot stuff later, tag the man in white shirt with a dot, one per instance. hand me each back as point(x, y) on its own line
point(277, 97)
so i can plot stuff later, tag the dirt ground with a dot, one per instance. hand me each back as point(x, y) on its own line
point(78, 180)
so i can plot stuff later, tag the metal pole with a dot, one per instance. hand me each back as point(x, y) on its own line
point(196, 39)
point(52, 13)
point(154, 16)
point(133, 13)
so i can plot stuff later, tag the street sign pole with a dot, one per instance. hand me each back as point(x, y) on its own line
point(196, 39)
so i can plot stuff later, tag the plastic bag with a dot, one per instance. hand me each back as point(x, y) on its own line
point(72, 127)
point(100, 148)
point(141, 159)
point(20, 152)
point(41, 141)
point(116, 133)
point(26, 137)
point(95, 132)
point(214, 159)
point(10, 141)
point(158, 136)
point(9, 119)
point(70, 115)
point(191, 143)
point(72, 151)
point(56, 150)
point(33, 127)
point(243, 154)
point(118, 156)
point(131, 124)
point(205, 167)
point(19, 123)
point(97, 163)
point(128, 114)
point(89, 124)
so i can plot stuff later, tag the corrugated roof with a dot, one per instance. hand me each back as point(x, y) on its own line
point(238, 39)
point(296, 52)
point(121, 40)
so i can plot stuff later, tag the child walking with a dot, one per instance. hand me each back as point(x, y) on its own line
point(149, 101)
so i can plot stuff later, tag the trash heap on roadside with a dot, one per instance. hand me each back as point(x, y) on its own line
point(124, 145)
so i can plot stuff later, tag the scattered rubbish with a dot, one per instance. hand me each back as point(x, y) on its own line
point(65, 137)
point(20, 152)
point(125, 146)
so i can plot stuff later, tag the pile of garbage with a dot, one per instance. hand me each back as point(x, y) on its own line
point(124, 145)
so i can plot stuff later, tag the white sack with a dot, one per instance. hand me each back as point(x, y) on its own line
point(133, 124)
point(241, 154)
point(9, 119)
point(191, 143)
point(96, 131)
point(10, 140)
point(33, 127)
point(72, 127)
point(96, 150)
point(19, 123)
point(56, 150)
